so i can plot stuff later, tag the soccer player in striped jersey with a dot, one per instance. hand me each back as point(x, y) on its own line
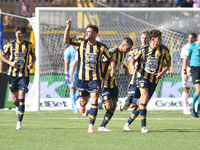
point(109, 94)
point(16, 54)
point(146, 75)
point(89, 67)
point(144, 38)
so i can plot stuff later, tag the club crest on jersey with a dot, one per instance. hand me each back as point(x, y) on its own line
point(151, 65)
point(20, 62)
point(105, 97)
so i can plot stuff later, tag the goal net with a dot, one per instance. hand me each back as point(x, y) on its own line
point(114, 24)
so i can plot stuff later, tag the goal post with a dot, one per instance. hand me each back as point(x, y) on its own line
point(49, 87)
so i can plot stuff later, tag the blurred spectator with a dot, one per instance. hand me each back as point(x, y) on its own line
point(97, 3)
point(24, 9)
point(177, 2)
point(8, 21)
point(29, 24)
point(187, 3)
point(196, 3)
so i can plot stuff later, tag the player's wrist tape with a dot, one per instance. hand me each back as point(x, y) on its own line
point(184, 71)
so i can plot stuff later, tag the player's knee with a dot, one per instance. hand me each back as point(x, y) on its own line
point(15, 100)
point(22, 95)
point(83, 102)
point(109, 106)
point(132, 105)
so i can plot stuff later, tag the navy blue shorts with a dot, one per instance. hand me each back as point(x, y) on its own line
point(18, 83)
point(108, 94)
point(141, 82)
point(133, 90)
point(87, 87)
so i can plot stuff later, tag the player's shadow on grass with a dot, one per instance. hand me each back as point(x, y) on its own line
point(178, 130)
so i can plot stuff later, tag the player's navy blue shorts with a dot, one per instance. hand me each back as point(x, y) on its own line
point(18, 83)
point(87, 87)
point(108, 94)
point(141, 82)
point(131, 75)
point(133, 90)
point(195, 72)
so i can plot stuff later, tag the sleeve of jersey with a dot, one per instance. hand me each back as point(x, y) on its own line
point(131, 52)
point(188, 52)
point(136, 55)
point(104, 59)
point(32, 52)
point(106, 53)
point(6, 49)
point(167, 56)
point(75, 42)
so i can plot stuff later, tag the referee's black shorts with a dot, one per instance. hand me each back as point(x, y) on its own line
point(195, 72)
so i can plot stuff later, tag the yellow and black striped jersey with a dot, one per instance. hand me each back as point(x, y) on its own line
point(89, 56)
point(119, 59)
point(20, 53)
point(133, 51)
point(131, 54)
point(150, 61)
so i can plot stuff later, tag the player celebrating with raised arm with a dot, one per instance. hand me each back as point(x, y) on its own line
point(109, 94)
point(16, 55)
point(193, 52)
point(89, 65)
point(150, 59)
point(187, 84)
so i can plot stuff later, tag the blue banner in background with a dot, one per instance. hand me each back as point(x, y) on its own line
point(1, 36)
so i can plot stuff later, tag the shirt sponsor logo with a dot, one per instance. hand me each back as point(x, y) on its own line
point(151, 65)
point(19, 54)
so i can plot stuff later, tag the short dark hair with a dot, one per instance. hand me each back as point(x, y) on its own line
point(94, 28)
point(155, 33)
point(20, 28)
point(194, 35)
point(128, 40)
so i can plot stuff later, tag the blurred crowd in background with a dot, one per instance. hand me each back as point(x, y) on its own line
point(27, 7)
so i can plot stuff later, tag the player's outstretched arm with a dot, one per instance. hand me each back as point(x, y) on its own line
point(73, 69)
point(67, 30)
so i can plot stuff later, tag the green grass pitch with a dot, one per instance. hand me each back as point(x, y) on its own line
point(64, 130)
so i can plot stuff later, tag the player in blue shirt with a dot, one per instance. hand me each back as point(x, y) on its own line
point(69, 57)
point(193, 52)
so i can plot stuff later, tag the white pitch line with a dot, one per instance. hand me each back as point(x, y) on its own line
point(86, 118)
